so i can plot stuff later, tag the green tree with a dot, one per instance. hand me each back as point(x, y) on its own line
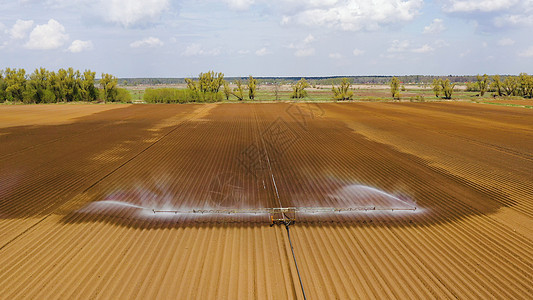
point(210, 82)
point(510, 86)
point(239, 90)
point(526, 85)
point(276, 90)
point(482, 82)
point(109, 87)
point(497, 85)
point(88, 91)
point(437, 87)
point(395, 88)
point(252, 86)
point(38, 89)
point(447, 88)
point(59, 84)
point(298, 89)
point(343, 91)
point(191, 84)
point(71, 85)
point(3, 87)
point(227, 90)
point(207, 87)
point(15, 80)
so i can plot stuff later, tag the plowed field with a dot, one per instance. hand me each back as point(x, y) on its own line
point(78, 186)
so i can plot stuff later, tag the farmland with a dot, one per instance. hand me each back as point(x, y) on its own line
point(78, 182)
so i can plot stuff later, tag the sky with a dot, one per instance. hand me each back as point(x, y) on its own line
point(173, 38)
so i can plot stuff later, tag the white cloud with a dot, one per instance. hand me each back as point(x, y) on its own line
point(424, 49)
point(465, 53)
point(149, 42)
point(239, 4)
point(351, 15)
point(20, 29)
point(262, 52)
point(130, 12)
point(304, 52)
point(437, 26)
point(80, 46)
point(357, 52)
point(309, 39)
point(335, 55)
point(515, 19)
point(441, 43)
point(398, 46)
point(197, 50)
point(499, 13)
point(47, 36)
point(303, 48)
point(506, 42)
point(481, 6)
point(527, 53)
point(242, 52)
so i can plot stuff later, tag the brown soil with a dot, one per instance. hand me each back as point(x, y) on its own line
point(72, 222)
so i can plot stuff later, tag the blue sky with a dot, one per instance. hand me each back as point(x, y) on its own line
point(168, 38)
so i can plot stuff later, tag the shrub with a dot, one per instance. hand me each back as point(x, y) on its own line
point(343, 91)
point(171, 95)
point(417, 98)
point(123, 95)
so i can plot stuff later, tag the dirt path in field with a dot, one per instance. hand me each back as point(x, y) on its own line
point(76, 200)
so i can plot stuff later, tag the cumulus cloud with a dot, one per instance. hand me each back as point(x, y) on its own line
point(262, 52)
point(424, 49)
point(130, 12)
point(515, 19)
point(304, 52)
point(149, 42)
point(499, 13)
point(335, 55)
point(437, 26)
point(309, 39)
point(20, 29)
point(476, 5)
point(357, 52)
point(398, 46)
point(527, 53)
point(197, 50)
point(352, 15)
point(506, 42)
point(78, 46)
point(303, 48)
point(47, 36)
point(239, 4)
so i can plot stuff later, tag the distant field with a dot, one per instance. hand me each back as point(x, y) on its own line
point(78, 185)
point(266, 93)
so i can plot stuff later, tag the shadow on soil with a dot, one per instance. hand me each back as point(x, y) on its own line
point(44, 167)
point(62, 173)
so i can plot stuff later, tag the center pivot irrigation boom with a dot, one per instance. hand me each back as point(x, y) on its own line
point(281, 215)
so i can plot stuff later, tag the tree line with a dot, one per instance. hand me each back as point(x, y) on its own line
point(312, 80)
point(521, 85)
point(212, 87)
point(65, 85)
